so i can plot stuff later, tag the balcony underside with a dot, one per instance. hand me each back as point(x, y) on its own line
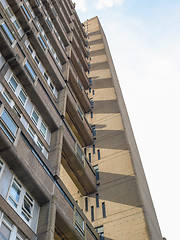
point(79, 171)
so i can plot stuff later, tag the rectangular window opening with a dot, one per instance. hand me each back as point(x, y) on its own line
point(97, 200)
point(103, 210)
point(86, 204)
point(92, 213)
point(99, 155)
point(94, 149)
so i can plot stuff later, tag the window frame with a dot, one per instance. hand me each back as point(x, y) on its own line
point(8, 33)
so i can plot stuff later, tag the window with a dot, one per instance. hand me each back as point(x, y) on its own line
point(89, 157)
point(86, 204)
point(39, 144)
point(7, 96)
point(89, 90)
point(46, 76)
point(25, 11)
point(13, 83)
point(93, 127)
point(16, 24)
point(97, 200)
point(103, 210)
point(21, 200)
point(92, 102)
point(91, 114)
point(31, 132)
point(92, 213)
point(90, 81)
point(35, 116)
point(85, 151)
point(17, 110)
point(42, 42)
point(93, 92)
point(1, 167)
point(4, 232)
point(27, 207)
point(96, 169)
point(8, 230)
point(79, 223)
point(30, 48)
point(22, 97)
point(94, 150)
point(9, 12)
point(100, 231)
point(49, 23)
point(30, 70)
point(99, 156)
point(36, 60)
point(8, 32)
point(9, 122)
point(14, 194)
point(43, 129)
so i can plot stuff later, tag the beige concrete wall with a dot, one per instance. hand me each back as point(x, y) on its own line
point(122, 186)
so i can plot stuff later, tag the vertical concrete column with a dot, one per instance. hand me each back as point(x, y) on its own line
point(56, 150)
point(62, 100)
point(47, 219)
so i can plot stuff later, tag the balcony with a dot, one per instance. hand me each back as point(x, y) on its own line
point(78, 66)
point(45, 56)
point(79, 29)
point(79, 40)
point(61, 15)
point(77, 87)
point(58, 25)
point(69, 7)
point(35, 172)
point(65, 11)
point(79, 23)
point(79, 120)
point(78, 50)
point(50, 33)
point(76, 165)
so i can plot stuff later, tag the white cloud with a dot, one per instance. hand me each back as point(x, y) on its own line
point(101, 4)
point(81, 5)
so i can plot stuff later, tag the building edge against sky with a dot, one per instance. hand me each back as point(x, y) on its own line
point(68, 158)
point(122, 187)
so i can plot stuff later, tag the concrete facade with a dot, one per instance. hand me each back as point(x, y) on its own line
point(122, 186)
point(68, 158)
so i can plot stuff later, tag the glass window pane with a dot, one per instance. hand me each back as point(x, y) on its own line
point(16, 24)
point(39, 144)
point(4, 232)
point(9, 12)
point(30, 70)
point(9, 122)
point(26, 12)
point(35, 117)
point(1, 165)
point(79, 220)
point(22, 97)
point(13, 83)
point(8, 32)
point(31, 132)
point(15, 192)
point(7, 96)
point(42, 42)
point(43, 129)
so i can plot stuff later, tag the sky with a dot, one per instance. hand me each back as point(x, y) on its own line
point(144, 40)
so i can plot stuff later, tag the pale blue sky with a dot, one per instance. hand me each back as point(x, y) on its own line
point(144, 39)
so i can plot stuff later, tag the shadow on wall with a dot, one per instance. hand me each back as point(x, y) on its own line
point(106, 106)
point(111, 139)
point(97, 83)
point(99, 66)
point(125, 187)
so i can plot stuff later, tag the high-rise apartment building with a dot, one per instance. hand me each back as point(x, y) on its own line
point(69, 165)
